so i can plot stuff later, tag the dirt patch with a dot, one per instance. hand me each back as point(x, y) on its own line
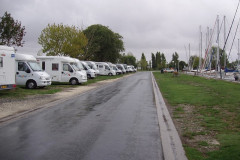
point(189, 126)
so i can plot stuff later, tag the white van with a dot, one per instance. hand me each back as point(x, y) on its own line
point(104, 69)
point(129, 68)
point(7, 68)
point(121, 67)
point(61, 69)
point(93, 66)
point(116, 69)
point(29, 73)
point(90, 72)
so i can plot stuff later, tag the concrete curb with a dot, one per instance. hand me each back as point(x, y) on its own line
point(171, 143)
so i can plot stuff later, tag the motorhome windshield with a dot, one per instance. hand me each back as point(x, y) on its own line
point(35, 66)
point(114, 68)
point(86, 66)
point(120, 67)
point(74, 66)
point(94, 66)
point(80, 66)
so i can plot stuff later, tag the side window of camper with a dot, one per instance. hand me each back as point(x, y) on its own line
point(22, 66)
point(55, 66)
point(100, 66)
point(43, 65)
point(107, 67)
point(1, 61)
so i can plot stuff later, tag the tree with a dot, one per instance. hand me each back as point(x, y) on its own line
point(103, 44)
point(194, 62)
point(174, 61)
point(163, 58)
point(11, 31)
point(63, 40)
point(158, 60)
point(128, 59)
point(154, 65)
point(214, 56)
point(143, 62)
point(182, 64)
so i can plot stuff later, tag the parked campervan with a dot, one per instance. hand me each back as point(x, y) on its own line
point(121, 67)
point(90, 72)
point(29, 73)
point(129, 68)
point(93, 66)
point(61, 69)
point(133, 68)
point(125, 67)
point(116, 69)
point(7, 68)
point(104, 69)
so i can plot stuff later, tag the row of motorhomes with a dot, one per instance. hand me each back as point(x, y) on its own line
point(41, 71)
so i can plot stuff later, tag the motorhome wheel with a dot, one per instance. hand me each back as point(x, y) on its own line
point(31, 84)
point(74, 81)
point(88, 76)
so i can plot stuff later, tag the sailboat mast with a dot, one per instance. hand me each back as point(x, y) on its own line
point(217, 61)
point(189, 57)
point(225, 55)
point(200, 49)
point(238, 56)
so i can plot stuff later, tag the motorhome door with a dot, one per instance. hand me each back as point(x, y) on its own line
point(66, 72)
point(22, 73)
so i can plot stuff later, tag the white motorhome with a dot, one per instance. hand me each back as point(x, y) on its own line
point(62, 69)
point(7, 68)
point(29, 73)
point(104, 69)
point(93, 66)
point(129, 68)
point(121, 67)
point(116, 69)
point(90, 72)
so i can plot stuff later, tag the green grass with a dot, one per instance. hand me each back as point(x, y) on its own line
point(21, 91)
point(218, 104)
point(193, 154)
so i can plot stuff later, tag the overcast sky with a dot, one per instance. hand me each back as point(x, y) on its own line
point(147, 26)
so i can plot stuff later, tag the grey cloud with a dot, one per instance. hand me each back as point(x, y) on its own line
point(147, 26)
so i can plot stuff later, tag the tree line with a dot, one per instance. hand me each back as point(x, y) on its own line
point(95, 43)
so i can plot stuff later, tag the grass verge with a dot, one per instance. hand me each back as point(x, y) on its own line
point(21, 91)
point(206, 113)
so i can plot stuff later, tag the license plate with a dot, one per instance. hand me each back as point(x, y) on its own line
point(3, 86)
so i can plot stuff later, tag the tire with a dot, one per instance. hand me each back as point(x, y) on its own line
point(88, 76)
point(74, 81)
point(31, 84)
point(110, 74)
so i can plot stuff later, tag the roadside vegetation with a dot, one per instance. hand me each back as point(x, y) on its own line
point(206, 113)
point(22, 91)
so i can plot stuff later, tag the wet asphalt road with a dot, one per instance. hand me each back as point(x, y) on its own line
point(114, 122)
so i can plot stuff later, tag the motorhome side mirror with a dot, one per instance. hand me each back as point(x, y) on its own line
point(71, 70)
point(28, 70)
